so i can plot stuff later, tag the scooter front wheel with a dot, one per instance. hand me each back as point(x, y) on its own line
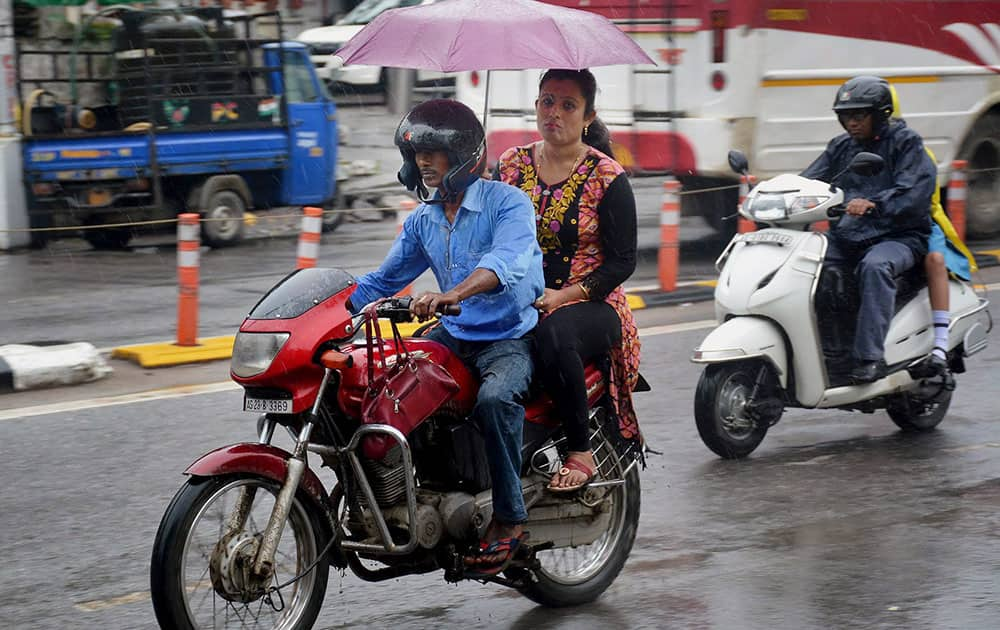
point(200, 572)
point(721, 408)
point(913, 414)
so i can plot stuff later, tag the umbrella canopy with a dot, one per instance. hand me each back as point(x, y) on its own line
point(458, 35)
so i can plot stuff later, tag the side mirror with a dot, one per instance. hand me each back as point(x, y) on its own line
point(867, 164)
point(738, 162)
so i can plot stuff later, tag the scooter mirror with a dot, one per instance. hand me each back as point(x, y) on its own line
point(866, 164)
point(738, 162)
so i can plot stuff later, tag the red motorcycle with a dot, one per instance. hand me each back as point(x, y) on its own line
point(249, 538)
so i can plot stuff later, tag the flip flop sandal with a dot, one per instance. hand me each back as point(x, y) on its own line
point(569, 466)
point(508, 546)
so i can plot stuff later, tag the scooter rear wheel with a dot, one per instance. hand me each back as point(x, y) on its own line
point(915, 415)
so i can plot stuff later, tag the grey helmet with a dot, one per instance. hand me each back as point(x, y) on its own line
point(865, 92)
point(442, 125)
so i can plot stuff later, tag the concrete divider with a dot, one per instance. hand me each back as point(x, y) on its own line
point(32, 367)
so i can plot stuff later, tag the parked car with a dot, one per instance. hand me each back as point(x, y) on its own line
point(325, 41)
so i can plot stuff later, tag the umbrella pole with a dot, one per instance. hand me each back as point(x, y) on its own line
point(486, 100)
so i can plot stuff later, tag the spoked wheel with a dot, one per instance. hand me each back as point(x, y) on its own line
point(721, 408)
point(915, 414)
point(576, 575)
point(200, 576)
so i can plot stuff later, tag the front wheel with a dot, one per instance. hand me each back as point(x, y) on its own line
point(199, 576)
point(222, 218)
point(722, 404)
point(577, 575)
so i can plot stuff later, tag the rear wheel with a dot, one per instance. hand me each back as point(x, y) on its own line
point(198, 576)
point(982, 150)
point(576, 575)
point(222, 218)
point(722, 408)
point(916, 415)
point(115, 238)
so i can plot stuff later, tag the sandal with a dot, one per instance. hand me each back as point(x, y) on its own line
point(506, 546)
point(570, 465)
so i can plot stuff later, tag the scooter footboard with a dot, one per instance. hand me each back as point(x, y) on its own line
point(742, 338)
point(259, 459)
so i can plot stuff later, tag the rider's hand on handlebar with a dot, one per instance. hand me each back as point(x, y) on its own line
point(859, 207)
point(427, 304)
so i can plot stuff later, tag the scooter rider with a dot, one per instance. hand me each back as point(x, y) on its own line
point(886, 226)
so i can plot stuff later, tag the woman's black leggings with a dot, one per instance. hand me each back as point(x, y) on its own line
point(565, 341)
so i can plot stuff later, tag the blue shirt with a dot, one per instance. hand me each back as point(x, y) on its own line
point(493, 229)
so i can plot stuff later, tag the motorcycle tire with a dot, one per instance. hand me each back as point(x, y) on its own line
point(719, 409)
point(183, 595)
point(557, 591)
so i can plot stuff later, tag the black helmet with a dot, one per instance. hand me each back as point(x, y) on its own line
point(442, 125)
point(865, 92)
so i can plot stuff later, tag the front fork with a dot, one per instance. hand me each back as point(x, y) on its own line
point(263, 562)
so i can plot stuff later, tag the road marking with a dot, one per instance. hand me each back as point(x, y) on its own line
point(125, 399)
point(669, 329)
point(102, 604)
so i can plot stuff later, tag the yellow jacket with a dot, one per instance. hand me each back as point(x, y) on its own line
point(939, 216)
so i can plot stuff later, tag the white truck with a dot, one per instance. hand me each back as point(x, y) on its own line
point(760, 76)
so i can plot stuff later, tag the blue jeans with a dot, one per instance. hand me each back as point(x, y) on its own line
point(504, 369)
point(876, 268)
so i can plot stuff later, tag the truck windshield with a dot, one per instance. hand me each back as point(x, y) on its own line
point(367, 10)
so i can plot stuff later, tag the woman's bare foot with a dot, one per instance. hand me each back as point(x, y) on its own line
point(574, 471)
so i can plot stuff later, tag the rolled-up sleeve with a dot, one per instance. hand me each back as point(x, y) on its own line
point(402, 265)
point(514, 242)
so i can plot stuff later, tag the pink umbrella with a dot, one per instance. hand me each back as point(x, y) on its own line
point(457, 35)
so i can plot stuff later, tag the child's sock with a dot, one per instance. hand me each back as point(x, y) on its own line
point(941, 320)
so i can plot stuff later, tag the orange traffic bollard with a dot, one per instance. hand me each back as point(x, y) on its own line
point(312, 226)
point(744, 225)
point(956, 196)
point(670, 228)
point(406, 208)
point(188, 242)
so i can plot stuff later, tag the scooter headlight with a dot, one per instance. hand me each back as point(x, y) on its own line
point(253, 352)
point(767, 206)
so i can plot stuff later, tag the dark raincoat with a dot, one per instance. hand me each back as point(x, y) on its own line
point(901, 192)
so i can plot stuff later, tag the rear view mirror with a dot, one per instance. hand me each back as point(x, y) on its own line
point(867, 164)
point(738, 162)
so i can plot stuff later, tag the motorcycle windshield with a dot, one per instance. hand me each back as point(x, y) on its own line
point(300, 291)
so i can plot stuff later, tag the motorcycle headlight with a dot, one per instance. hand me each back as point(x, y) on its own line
point(767, 207)
point(253, 352)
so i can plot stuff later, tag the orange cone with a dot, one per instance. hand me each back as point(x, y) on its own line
point(744, 225)
point(670, 223)
point(956, 196)
point(312, 227)
point(188, 244)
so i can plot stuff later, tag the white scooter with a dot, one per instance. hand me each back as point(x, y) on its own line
point(774, 348)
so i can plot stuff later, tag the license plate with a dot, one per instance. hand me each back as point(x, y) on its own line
point(267, 405)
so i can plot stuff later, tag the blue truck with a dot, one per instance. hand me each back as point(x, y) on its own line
point(187, 111)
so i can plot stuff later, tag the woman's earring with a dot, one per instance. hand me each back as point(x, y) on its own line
point(585, 129)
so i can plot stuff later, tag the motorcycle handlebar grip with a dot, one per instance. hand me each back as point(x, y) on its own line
point(835, 212)
point(451, 309)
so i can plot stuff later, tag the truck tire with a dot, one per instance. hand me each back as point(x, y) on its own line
point(982, 150)
point(222, 218)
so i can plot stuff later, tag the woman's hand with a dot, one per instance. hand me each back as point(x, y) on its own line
point(554, 298)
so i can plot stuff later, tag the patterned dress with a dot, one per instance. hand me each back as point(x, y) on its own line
point(568, 214)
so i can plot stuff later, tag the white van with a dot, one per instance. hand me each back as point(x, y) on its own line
point(325, 41)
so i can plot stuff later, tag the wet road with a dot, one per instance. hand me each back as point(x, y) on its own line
point(836, 521)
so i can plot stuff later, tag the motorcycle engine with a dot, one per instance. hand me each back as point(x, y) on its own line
point(386, 476)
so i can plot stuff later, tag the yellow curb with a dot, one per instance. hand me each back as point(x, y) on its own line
point(249, 219)
point(989, 252)
point(165, 354)
point(635, 302)
point(706, 283)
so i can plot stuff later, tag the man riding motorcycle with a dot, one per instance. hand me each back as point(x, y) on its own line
point(478, 238)
point(885, 228)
